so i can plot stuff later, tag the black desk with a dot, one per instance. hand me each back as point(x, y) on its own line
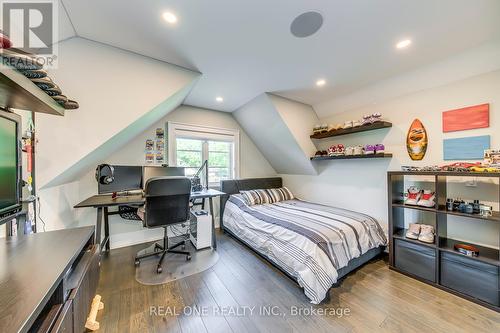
point(103, 201)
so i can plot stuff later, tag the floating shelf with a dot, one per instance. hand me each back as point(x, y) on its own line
point(363, 128)
point(18, 92)
point(350, 157)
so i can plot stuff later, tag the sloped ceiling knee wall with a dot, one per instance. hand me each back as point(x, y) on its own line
point(280, 128)
point(120, 95)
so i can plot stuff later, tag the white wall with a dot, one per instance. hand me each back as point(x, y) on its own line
point(361, 184)
point(265, 118)
point(114, 88)
point(298, 117)
point(120, 94)
point(58, 212)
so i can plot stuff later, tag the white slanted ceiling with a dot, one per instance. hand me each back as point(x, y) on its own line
point(120, 95)
point(277, 127)
point(245, 48)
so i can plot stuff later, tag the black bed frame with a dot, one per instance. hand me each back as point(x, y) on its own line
point(230, 187)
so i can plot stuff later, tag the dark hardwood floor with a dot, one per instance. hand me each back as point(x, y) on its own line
point(372, 299)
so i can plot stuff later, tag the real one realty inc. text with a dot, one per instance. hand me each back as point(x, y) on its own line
point(245, 311)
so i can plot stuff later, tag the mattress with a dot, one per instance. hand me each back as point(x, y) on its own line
point(312, 243)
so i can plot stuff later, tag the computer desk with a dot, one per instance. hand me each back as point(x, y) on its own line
point(102, 202)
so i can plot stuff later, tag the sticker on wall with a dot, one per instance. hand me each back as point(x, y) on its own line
point(470, 148)
point(472, 117)
point(417, 140)
point(149, 156)
point(149, 145)
point(160, 133)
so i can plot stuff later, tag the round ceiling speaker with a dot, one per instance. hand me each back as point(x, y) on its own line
point(306, 24)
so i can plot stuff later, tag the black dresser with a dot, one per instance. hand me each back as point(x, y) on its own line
point(48, 280)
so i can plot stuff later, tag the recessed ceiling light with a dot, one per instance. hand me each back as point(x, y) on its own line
point(404, 43)
point(170, 18)
point(320, 82)
point(219, 99)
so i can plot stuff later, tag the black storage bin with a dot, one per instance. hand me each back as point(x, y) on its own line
point(471, 277)
point(416, 259)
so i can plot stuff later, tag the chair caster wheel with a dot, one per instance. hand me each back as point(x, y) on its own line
point(159, 270)
point(188, 257)
point(137, 263)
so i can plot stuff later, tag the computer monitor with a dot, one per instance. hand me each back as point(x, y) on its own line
point(10, 165)
point(160, 171)
point(127, 178)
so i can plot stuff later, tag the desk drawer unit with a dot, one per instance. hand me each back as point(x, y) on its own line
point(64, 323)
point(471, 277)
point(415, 259)
point(85, 291)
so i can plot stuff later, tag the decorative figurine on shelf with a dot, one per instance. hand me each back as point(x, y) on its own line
point(467, 250)
point(492, 157)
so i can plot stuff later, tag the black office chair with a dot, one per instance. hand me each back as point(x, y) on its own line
point(167, 203)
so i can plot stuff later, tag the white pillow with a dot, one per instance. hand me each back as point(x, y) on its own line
point(256, 197)
point(280, 194)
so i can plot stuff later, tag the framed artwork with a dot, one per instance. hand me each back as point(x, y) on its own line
point(470, 148)
point(472, 117)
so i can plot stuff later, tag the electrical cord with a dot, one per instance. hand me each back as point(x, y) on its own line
point(178, 232)
point(39, 216)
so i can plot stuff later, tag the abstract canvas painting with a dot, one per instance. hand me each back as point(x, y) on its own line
point(470, 148)
point(472, 117)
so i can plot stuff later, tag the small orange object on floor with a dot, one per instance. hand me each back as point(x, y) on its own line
point(97, 305)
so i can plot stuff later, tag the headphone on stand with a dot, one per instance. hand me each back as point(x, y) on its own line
point(105, 180)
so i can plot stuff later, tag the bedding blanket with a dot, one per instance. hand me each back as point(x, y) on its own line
point(309, 241)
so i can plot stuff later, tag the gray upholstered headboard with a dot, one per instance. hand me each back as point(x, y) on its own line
point(235, 186)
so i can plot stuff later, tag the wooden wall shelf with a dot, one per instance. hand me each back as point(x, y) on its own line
point(18, 92)
point(351, 157)
point(363, 128)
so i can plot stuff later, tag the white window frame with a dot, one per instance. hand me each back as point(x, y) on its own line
point(189, 131)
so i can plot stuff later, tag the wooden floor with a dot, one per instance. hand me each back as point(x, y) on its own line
point(373, 299)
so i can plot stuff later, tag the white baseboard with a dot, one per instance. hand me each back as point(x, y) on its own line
point(135, 237)
point(140, 236)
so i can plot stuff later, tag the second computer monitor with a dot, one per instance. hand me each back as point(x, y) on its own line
point(126, 178)
point(160, 171)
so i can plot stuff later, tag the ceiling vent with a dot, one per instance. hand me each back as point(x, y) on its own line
point(306, 24)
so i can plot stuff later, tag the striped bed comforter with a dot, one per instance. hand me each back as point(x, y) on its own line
point(309, 241)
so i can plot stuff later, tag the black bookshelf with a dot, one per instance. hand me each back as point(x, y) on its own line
point(474, 278)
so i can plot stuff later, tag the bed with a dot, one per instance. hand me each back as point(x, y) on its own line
point(315, 245)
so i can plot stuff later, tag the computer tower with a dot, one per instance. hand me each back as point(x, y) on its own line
point(200, 229)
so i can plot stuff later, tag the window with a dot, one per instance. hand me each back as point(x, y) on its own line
point(189, 154)
point(189, 146)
